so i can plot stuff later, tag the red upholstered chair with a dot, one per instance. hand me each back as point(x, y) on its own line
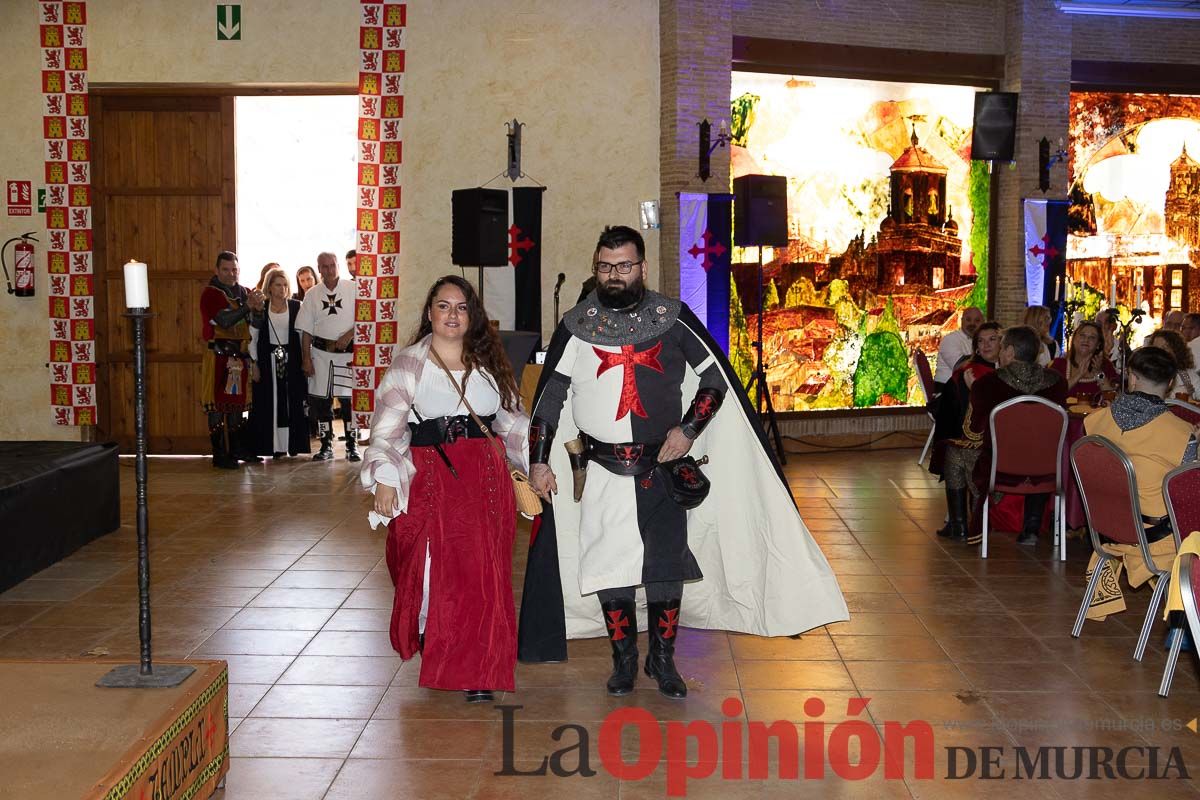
point(1110, 502)
point(1181, 490)
point(925, 375)
point(1189, 587)
point(1027, 443)
point(1185, 411)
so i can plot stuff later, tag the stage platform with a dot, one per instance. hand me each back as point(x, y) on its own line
point(55, 497)
point(65, 738)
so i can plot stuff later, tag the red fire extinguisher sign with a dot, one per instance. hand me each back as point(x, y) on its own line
point(20, 198)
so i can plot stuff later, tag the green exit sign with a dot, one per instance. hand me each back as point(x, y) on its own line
point(229, 23)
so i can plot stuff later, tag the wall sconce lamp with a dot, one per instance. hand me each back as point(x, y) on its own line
point(649, 215)
point(707, 145)
point(1047, 160)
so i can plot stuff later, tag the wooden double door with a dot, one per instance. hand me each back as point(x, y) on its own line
point(163, 194)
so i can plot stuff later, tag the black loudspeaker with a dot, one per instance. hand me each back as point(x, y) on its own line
point(995, 126)
point(479, 227)
point(760, 211)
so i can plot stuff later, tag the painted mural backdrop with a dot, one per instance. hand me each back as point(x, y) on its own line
point(887, 229)
point(1134, 221)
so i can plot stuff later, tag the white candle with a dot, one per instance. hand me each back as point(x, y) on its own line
point(137, 285)
point(1057, 288)
point(1112, 292)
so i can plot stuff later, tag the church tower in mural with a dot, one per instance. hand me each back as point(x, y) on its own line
point(1182, 208)
point(918, 241)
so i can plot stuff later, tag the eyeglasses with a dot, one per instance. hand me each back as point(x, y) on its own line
point(624, 268)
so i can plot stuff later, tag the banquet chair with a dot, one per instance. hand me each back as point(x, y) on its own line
point(1181, 491)
point(925, 376)
point(1027, 434)
point(1185, 411)
point(1110, 503)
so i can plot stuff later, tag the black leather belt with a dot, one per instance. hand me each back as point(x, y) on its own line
point(328, 345)
point(227, 347)
point(626, 458)
point(1157, 527)
point(446, 430)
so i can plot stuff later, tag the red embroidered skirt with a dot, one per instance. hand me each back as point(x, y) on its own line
point(469, 523)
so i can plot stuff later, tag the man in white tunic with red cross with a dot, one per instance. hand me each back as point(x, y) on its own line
point(621, 365)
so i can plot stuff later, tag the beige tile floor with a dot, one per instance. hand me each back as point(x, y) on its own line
point(274, 570)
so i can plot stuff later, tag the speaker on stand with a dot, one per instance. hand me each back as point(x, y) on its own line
point(479, 229)
point(760, 220)
point(994, 127)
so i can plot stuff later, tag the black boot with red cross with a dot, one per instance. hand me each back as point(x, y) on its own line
point(660, 663)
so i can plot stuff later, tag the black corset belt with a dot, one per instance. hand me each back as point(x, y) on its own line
point(446, 430)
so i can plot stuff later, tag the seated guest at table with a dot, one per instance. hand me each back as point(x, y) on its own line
point(1109, 321)
point(1189, 329)
point(968, 459)
point(1156, 442)
point(1187, 381)
point(952, 401)
point(1039, 318)
point(952, 406)
point(1085, 366)
point(956, 346)
point(1173, 321)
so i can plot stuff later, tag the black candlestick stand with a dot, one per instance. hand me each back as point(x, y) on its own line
point(143, 675)
point(1123, 348)
point(760, 374)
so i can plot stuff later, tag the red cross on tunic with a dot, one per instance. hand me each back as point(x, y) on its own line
point(629, 360)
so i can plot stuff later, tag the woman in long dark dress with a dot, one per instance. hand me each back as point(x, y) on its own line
point(278, 424)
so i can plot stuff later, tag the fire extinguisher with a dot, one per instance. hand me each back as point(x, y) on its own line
point(22, 264)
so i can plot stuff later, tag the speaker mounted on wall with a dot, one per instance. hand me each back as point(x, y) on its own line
point(994, 129)
point(760, 211)
point(479, 227)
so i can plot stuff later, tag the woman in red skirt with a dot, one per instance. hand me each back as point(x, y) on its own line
point(445, 487)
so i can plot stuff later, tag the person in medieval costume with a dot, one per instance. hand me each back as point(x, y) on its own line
point(225, 311)
point(447, 423)
point(618, 372)
point(326, 323)
point(278, 425)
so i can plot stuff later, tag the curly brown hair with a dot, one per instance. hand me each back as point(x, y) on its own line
point(1176, 347)
point(482, 348)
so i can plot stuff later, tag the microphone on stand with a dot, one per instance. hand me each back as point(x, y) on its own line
point(562, 278)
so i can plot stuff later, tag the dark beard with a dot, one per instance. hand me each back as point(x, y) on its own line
point(618, 299)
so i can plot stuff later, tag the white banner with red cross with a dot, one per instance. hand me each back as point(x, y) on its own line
point(380, 127)
point(62, 36)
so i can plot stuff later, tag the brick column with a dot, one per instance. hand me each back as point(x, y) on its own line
point(1037, 64)
point(696, 50)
